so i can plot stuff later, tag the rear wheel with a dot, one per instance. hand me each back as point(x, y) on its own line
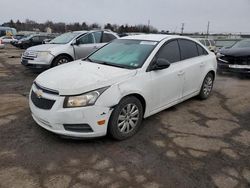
point(207, 86)
point(126, 118)
point(62, 59)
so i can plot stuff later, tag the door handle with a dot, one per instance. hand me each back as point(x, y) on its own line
point(202, 64)
point(181, 73)
point(95, 47)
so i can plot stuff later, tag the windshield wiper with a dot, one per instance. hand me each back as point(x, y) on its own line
point(114, 65)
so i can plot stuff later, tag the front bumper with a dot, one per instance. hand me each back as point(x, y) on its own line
point(36, 63)
point(59, 120)
point(226, 67)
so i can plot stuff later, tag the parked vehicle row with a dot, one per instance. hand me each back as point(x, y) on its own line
point(32, 40)
point(114, 88)
point(65, 48)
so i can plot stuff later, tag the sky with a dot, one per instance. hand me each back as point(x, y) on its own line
point(231, 16)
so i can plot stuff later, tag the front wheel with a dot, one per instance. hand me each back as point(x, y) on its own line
point(62, 59)
point(126, 118)
point(207, 86)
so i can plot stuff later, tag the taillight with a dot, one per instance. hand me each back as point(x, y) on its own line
point(0, 41)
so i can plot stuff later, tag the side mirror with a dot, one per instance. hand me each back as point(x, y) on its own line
point(75, 43)
point(160, 64)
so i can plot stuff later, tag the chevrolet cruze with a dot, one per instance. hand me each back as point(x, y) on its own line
point(115, 88)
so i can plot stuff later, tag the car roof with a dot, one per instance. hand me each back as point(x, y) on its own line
point(151, 37)
point(156, 37)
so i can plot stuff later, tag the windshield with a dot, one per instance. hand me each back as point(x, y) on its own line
point(64, 38)
point(129, 54)
point(242, 44)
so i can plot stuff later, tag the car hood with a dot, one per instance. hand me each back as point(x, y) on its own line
point(236, 52)
point(43, 47)
point(80, 76)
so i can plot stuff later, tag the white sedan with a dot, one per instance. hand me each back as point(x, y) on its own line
point(7, 39)
point(113, 89)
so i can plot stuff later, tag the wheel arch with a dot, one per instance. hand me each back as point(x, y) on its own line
point(62, 54)
point(213, 73)
point(139, 97)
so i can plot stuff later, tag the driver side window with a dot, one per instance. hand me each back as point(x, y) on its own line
point(170, 52)
point(86, 39)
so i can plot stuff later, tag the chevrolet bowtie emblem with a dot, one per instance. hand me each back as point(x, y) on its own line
point(39, 93)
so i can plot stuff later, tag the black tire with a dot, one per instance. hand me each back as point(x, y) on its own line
point(207, 86)
point(61, 59)
point(114, 130)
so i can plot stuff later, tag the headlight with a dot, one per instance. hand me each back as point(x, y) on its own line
point(86, 99)
point(43, 54)
point(220, 57)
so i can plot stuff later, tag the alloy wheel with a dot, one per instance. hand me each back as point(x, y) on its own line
point(128, 118)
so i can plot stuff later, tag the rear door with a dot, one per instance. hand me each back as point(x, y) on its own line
point(193, 66)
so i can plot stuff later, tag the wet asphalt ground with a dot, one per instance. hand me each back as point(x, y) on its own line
point(194, 144)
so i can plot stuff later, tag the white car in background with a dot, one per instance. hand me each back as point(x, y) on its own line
point(65, 48)
point(209, 43)
point(7, 39)
point(113, 89)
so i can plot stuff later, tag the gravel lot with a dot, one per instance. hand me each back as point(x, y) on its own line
point(194, 144)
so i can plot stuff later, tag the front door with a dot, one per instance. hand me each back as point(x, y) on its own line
point(167, 84)
point(85, 45)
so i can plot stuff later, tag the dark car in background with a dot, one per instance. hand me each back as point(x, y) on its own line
point(32, 40)
point(236, 58)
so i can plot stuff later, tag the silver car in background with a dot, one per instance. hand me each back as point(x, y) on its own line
point(65, 48)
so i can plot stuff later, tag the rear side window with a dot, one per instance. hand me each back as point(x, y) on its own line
point(188, 49)
point(107, 37)
point(43, 38)
point(36, 39)
point(201, 50)
point(170, 52)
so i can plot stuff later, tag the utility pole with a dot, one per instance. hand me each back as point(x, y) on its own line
point(149, 26)
point(182, 28)
point(208, 27)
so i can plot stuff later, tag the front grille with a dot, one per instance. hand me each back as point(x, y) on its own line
point(46, 90)
point(42, 103)
point(81, 128)
point(244, 60)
